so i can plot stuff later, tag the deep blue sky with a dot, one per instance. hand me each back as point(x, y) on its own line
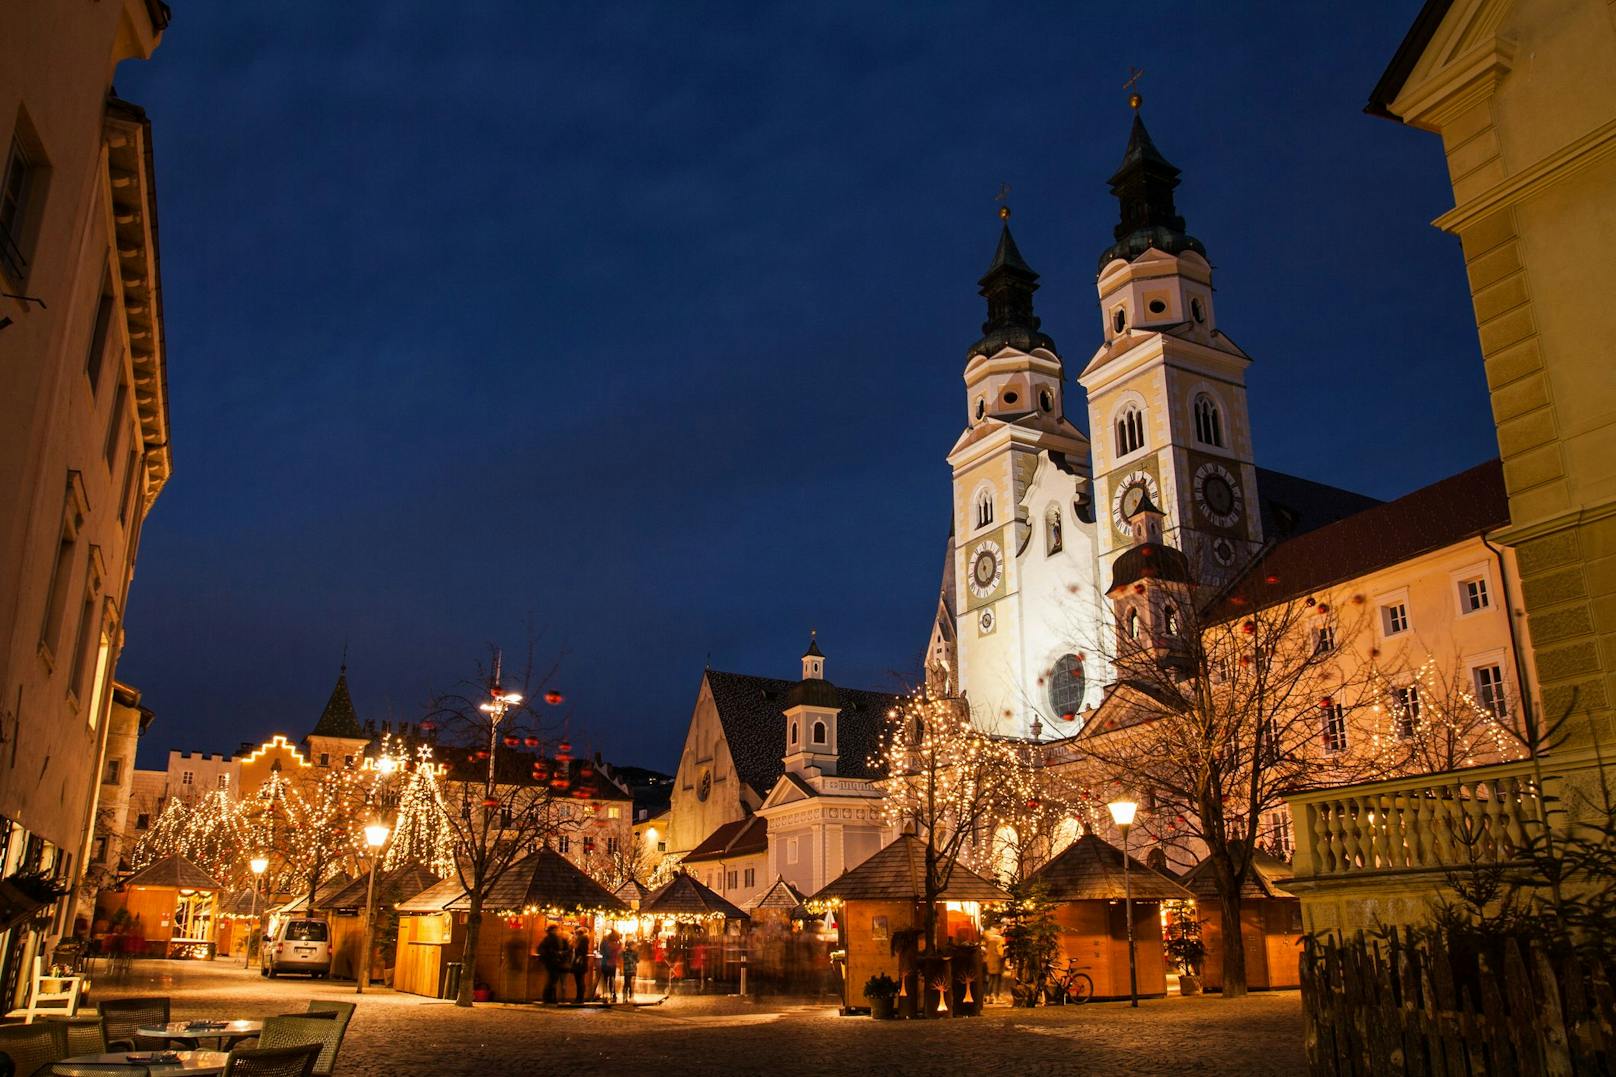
point(645, 323)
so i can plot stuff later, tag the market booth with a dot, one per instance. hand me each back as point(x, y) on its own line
point(788, 947)
point(879, 908)
point(176, 905)
point(1270, 924)
point(239, 915)
point(344, 911)
point(696, 934)
point(542, 889)
point(1086, 883)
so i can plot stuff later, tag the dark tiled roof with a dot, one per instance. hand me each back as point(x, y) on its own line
point(632, 891)
point(742, 837)
point(751, 710)
point(173, 871)
point(434, 898)
point(330, 886)
point(782, 895)
point(898, 873)
point(1091, 870)
point(1262, 881)
point(404, 881)
point(1459, 507)
point(545, 880)
point(1148, 560)
point(1292, 506)
point(338, 719)
point(684, 896)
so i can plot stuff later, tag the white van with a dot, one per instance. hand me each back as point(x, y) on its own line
point(298, 946)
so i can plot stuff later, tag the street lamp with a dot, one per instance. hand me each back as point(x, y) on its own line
point(1122, 813)
point(259, 865)
point(376, 834)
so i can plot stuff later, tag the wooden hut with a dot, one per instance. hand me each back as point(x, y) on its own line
point(699, 934)
point(344, 910)
point(240, 914)
point(297, 906)
point(1270, 924)
point(788, 947)
point(882, 901)
point(542, 889)
point(1085, 880)
point(176, 904)
point(632, 893)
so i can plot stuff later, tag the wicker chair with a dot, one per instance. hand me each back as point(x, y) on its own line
point(324, 1031)
point(342, 1011)
point(272, 1061)
point(83, 1034)
point(98, 1069)
point(30, 1049)
point(120, 1017)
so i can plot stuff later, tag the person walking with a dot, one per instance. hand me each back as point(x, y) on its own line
point(580, 960)
point(553, 956)
point(631, 967)
point(993, 962)
point(611, 951)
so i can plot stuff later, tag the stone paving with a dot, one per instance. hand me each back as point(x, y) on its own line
point(397, 1034)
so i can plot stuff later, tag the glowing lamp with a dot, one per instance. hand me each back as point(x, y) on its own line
point(387, 764)
point(259, 864)
point(376, 834)
point(1123, 811)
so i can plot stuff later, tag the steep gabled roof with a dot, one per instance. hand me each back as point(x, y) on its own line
point(632, 892)
point(175, 871)
point(781, 895)
point(339, 719)
point(403, 881)
point(1090, 869)
point(298, 905)
point(684, 896)
point(741, 837)
point(435, 898)
point(751, 711)
point(898, 873)
point(545, 880)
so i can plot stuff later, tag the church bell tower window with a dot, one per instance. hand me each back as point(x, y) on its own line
point(984, 509)
point(1208, 421)
point(819, 732)
point(1130, 430)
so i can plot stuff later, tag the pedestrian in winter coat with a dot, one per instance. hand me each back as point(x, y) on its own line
point(611, 950)
point(553, 956)
point(580, 960)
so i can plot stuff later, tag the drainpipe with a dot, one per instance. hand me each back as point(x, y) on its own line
point(1514, 644)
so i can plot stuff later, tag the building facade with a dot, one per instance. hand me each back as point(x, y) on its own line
point(84, 435)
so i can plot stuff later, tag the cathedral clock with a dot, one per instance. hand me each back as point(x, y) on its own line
point(1217, 495)
point(1129, 493)
point(986, 568)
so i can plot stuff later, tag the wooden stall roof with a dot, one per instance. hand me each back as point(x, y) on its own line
point(684, 896)
point(297, 905)
point(435, 898)
point(1262, 881)
point(175, 871)
point(393, 886)
point(898, 873)
point(544, 880)
point(782, 895)
point(1091, 870)
point(631, 891)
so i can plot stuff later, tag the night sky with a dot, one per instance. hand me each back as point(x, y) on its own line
point(639, 329)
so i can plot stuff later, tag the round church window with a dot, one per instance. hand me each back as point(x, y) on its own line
point(1066, 686)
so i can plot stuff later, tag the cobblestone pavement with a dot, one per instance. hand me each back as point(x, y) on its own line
point(396, 1034)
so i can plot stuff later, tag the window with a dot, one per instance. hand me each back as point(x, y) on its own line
point(614, 812)
point(1490, 690)
point(1208, 421)
point(1119, 319)
point(347, 761)
point(1473, 594)
point(325, 759)
point(589, 844)
point(188, 778)
point(100, 853)
point(88, 625)
point(1324, 639)
point(1133, 624)
point(1170, 619)
point(661, 846)
point(1394, 618)
point(819, 732)
point(1157, 306)
point(1335, 728)
point(126, 499)
point(56, 602)
point(791, 850)
point(117, 422)
point(110, 775)
point(564, 844)
point(1130, 430)
point(984, 508)
point(16, 191)
point(981, 409)
point(224, 781)
point(793, 732)
point(611, 846)
point(1197, 309)
point(1052, 531)
point(96, 357)
point(733, 880)
point(750, 877)
point(1046, 400)
point(1010, 397)
point(1066, 686)
point(1406, 710)
point(142, 820)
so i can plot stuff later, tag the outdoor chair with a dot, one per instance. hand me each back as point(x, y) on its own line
point(49, 994)
point(324, 1031)
point(120, 1017)
point(83, 1033)
point(98, 1069)
point(272, 1061)
point(342, 1011)
point(30, 1049)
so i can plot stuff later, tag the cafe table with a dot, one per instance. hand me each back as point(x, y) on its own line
point(187, 1062)
point(224, 1033)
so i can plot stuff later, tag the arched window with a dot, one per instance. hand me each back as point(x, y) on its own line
point(819, 732)
point(1170, 619)
point(984, 508)
point(1130, 430)
point(793, 732)
point(1067, 831)
point(1052, 530)
point(1066, 685)
point(1208, 421)
point(1119, 319)
point(981, 408)
point(1133, 624)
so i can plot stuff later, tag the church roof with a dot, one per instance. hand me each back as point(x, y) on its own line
point(1143, 185)
point(1292, 505)
point(1008, 286)
point(175, 871)
point(1456, 508)
point(1090, 869)
point(741, 837)
point(752, 713)
point(338, 719)
point(898, 873)
point(684, 896)
point(1148, 560)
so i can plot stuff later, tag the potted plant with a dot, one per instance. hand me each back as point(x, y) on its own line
point(1186, 951)
point(881, 990)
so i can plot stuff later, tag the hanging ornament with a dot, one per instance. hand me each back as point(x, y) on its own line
point(490, 802)
point(513, 742)
point(531, 742)
point(564, 752)
point(1324, 607)
point(1270, 579)
point(1326, 702)
point(1249, 628)
point(553, 697)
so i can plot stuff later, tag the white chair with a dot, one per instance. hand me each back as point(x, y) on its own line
point(57, 996)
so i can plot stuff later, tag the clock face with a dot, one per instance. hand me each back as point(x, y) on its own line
point(985, 622)
point(1223, 550)
point(987, 568)
point(1217, 495)
point(1129, 491)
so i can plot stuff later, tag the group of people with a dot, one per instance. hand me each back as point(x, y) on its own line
point(615, 963)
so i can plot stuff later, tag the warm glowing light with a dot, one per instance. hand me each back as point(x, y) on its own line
point(1122, 812)
point(650, 835)
point(259, 864)
point(387, 764)
point(376, 834)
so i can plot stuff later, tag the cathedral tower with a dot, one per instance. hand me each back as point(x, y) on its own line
point(1166, 389)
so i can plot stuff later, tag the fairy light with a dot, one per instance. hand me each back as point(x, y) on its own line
point(422, 832)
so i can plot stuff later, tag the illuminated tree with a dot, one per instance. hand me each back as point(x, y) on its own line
point(165, 838)
point(422, 833)
point(215, 835)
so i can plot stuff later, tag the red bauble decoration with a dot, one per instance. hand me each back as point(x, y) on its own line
point(490, 802)
point(512, 742)
point(1324, 607)
point(586, 771)
point(1357, 600)
point(1270, 579)
point(531, 742)
point(564, 751)
point(1068, 717)
point(1249, 628)
point(1138, 588)
point(428, 726)
point(1033, 803)
point(1326, 702)
point(553, 697)
point(1311, 600)
point(1245, 660)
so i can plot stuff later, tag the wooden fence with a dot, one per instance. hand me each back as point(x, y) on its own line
point(1398, 1006)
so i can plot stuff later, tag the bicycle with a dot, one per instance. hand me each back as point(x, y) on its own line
point(1068, 987)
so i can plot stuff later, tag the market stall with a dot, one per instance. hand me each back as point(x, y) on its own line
point(176, 905)
point(1270, 924)
point(697, 936)
point(344, 911)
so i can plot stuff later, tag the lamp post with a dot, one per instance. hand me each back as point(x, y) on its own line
point(376, 834)
point(259, 865)
point(1122, 813)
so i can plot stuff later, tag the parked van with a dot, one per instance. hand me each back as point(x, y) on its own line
point(299, 946)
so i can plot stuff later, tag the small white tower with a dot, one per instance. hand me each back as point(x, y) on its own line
point(811, 709)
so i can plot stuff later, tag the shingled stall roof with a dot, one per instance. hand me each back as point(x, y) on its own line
point(544, 882)
point(296, 906)
point(1090, 869)
point(751, 710)
point(781, 895)
point(632, 891)
point(435, 898)
point(1262, 881)
point(898, 873)
point(742, 837)
point(1452, 510)
point(175, 871)
point(403, 881)
point(682, 897)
